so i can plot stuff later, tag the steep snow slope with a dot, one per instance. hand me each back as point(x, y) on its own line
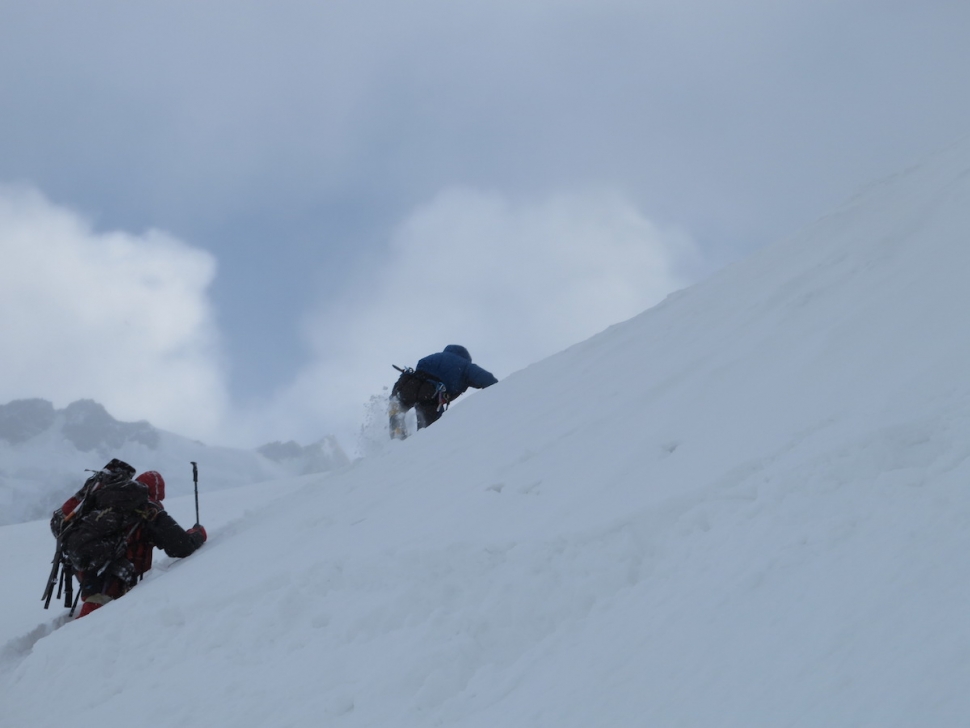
point(29, 549)
point(745, 507)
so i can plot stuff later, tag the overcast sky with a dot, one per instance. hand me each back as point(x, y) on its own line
point(231, 218)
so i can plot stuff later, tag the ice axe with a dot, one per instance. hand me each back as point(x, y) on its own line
point(195, 479)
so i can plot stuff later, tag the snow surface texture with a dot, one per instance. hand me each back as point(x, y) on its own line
point(44, 453)
point(746, 507)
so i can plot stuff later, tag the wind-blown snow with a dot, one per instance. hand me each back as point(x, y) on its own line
point(745, 507)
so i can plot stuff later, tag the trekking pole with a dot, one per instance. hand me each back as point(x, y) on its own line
point(195, 479)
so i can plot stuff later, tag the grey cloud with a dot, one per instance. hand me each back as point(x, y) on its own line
point(290, 138)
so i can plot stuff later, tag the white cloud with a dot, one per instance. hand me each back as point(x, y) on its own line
point(124, 319)
point(512, 281)
point(119, 318)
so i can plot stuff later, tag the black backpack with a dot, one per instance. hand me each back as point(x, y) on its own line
point(112, 508)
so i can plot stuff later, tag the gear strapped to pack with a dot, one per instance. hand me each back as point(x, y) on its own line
point(438, 393)
point(93, 536)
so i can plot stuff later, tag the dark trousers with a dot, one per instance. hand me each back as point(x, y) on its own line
point(417, 390)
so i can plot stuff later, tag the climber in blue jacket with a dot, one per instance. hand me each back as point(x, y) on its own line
point(432, 384)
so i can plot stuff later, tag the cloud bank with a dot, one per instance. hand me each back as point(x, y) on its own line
point(514, 281)
point(126, 320)
point(120, 318)
point(289, 138)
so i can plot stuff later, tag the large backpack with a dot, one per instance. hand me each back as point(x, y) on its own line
point(114, 506)
point(415, 386)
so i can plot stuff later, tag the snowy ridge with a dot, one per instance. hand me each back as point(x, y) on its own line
point(44, 453)
point(745, 507)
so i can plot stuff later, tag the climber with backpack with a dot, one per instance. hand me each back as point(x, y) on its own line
point(106, 533)
point(436, 381)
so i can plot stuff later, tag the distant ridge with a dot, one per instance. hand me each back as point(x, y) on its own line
point(44, 452)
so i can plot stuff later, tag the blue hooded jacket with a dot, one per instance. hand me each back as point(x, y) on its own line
point(453, 367)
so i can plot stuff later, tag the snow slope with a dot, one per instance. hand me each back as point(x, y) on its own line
point(745, 507)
